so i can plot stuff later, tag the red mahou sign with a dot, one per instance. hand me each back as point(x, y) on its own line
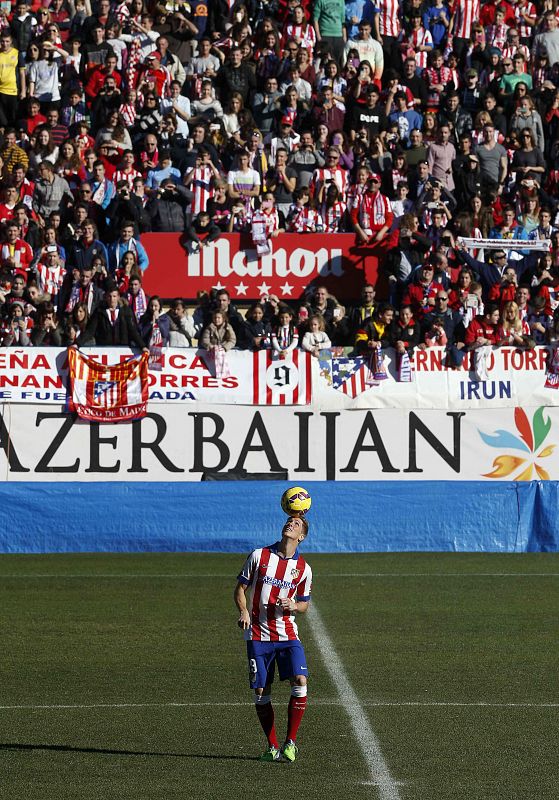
point(296, 261)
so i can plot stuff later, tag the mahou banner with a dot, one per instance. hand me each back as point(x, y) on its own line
point(102, 393)
point(232, 263)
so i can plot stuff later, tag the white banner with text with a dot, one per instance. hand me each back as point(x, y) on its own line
point(181, 443)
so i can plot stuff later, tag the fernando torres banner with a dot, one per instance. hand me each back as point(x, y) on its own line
point(100, 393)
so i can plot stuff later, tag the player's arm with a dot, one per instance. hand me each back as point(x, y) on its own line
point(240, 598)
point(295, 606)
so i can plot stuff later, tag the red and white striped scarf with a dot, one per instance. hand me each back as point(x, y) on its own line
point(332, 217)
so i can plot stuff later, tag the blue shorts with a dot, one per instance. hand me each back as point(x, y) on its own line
point(262, 657)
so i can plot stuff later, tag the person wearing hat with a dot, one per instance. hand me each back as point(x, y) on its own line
point(468, 181)
point(490, 273)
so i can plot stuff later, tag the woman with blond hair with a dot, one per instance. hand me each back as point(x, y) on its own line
point(512, 331)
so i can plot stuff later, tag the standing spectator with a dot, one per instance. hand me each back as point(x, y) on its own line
point(112, 324)
point(493, 160)
point(9, 60)
point(440, 157)
point(52, 193)
point(329, 19)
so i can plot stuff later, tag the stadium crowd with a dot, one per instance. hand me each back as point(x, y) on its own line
point(412, 124)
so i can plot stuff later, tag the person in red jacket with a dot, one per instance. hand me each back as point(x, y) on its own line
point(420, 295)
point(372, 217)
point(484, 330)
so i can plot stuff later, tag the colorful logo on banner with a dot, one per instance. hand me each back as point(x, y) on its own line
point(528, 440)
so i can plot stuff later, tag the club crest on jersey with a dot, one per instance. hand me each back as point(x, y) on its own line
point(295, 573)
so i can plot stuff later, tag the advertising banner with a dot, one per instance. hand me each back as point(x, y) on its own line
point(514, 378)
point(295, 262)
point(36, 374)
point(178, 443)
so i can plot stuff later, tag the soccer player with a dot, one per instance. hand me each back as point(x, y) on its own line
point(278, 582)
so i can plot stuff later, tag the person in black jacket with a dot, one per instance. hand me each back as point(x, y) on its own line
point(126, 206)
point(202, 231)
point(112, 324)
point(235, 76)
point(167, 209)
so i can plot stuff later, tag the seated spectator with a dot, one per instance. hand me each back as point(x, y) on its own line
point(404, 331)
point(46, 331)
point(256, 330)
point(316, 339)
point(14, 330)
point(75, 324)
point(182, 329)
point(513, 331)
point(375, 332)
point(154, 325)
point(285, 336)
point(483, 330)
point(218, 333)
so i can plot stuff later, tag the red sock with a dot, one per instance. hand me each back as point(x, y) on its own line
point(266, 716)
point(295, 712)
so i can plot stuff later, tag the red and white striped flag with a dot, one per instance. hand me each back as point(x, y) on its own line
point(101, 393)
point(282, 382)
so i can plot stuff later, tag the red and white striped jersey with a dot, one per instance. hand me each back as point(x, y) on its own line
point(465, 12)
point(496, 35)
point(126, 175)
point(338, 175)
point(50, 278)
point(409, 44)
point(524, 30)
point(333, 216)
point(303, 34)
point(388, 18)
point(510, 52)
point(273, 578)
point(305, 220)
point(201, 186)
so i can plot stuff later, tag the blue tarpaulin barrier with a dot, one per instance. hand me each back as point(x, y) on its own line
point(239, 515)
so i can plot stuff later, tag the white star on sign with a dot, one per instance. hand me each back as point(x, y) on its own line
point(218, 286)
point(241, 288)
point(286, 288)
point(263, 288)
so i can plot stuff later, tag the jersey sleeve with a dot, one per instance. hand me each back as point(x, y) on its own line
point(247, 573)
point(304, 586)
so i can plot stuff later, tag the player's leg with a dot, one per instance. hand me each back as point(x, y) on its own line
point(292, 664)
point(261, 676)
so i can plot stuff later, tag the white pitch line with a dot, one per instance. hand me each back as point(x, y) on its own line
point(366, 737)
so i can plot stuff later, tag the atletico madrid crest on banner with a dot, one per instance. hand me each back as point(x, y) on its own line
point(101, 393)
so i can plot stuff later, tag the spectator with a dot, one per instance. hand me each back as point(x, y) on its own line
point(218, 334)
point(181, 325)
point(46, 331)
point(125, 243)
point(112, 324)
point(316, 339)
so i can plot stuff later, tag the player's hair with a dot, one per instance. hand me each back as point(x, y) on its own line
point(305, 522)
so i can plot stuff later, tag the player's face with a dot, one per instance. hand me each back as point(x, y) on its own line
point(293, 528)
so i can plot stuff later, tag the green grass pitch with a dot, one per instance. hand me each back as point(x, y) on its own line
point(453, 659)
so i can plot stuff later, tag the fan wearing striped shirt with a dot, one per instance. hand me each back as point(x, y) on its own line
point(274, 585)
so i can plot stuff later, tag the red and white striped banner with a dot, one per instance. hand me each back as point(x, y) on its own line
point(102, 393)
point(282, 381)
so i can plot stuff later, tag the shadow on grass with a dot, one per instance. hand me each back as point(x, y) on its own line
point(65, 748)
